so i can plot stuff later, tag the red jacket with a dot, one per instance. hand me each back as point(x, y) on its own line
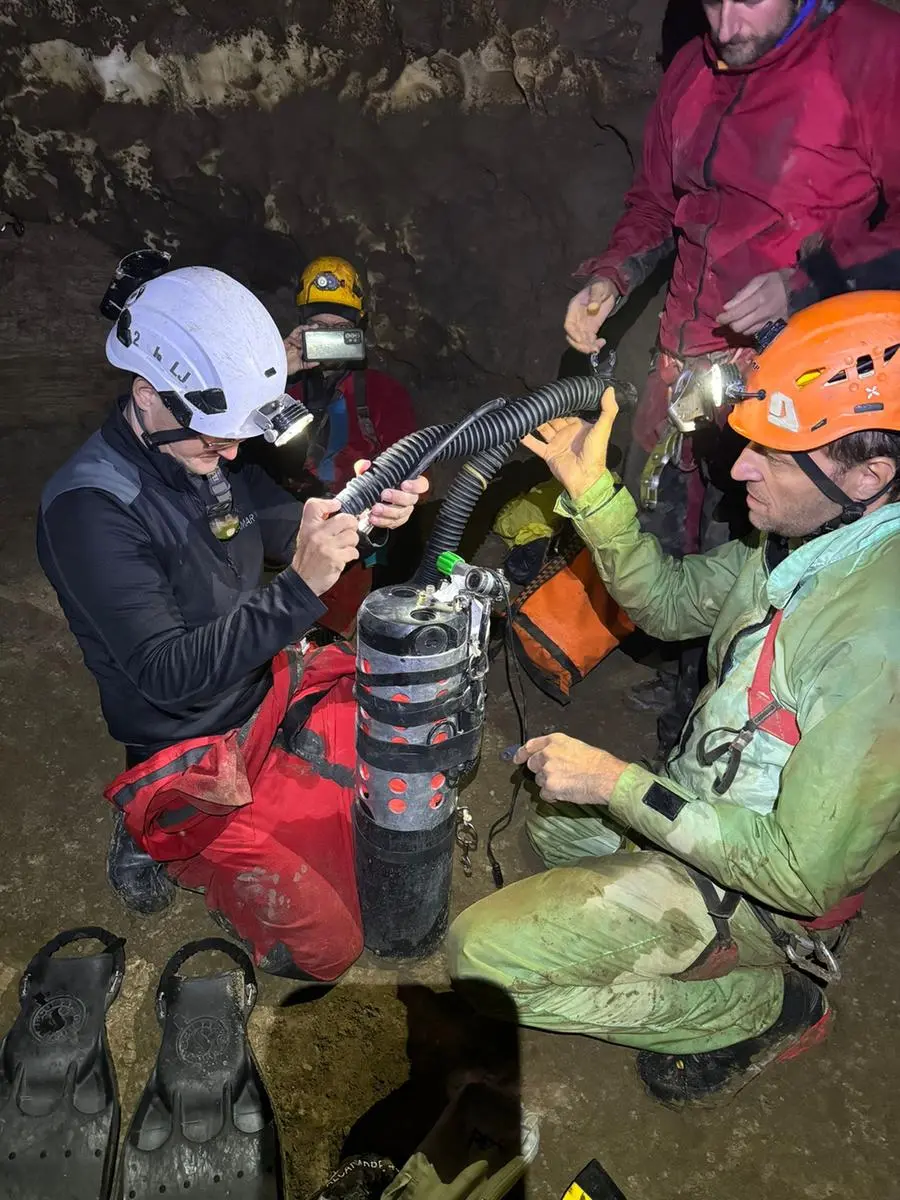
point(745, 168)
point(341, 442)
point(333, 449)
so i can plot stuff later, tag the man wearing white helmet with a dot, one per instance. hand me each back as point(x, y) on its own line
point(154, 537)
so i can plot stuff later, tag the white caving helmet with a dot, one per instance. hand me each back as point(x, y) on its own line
point(210, 349)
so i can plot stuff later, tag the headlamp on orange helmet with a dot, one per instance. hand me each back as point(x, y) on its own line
point(698, 396)
point(832, 371)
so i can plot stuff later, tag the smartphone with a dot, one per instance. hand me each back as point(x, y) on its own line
point(334, 345)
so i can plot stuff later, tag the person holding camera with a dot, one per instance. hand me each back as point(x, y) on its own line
point(357, 411)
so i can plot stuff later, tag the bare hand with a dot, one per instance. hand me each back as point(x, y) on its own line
point(764, 299)
point(576, 450)
point(396, 504)
point(586, 313)
point(569, 770)
point(326, 541)
point(293, 348)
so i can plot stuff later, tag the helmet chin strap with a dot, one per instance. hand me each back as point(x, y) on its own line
point(224, 521)
point(165, 437)
point(851, 510)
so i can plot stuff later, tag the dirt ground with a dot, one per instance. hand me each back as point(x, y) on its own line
point(378, 1045)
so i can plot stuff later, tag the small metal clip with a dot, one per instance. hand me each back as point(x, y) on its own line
point(827, 968)
point(9, 220)
point(667, 450)
point(466, 839)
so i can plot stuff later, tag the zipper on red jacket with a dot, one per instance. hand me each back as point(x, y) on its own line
point(707, 179)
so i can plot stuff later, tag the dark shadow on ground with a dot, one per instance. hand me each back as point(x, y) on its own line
point(450, 1047)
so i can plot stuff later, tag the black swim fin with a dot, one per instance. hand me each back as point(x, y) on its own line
point(59, 1105)
point(205, 1126)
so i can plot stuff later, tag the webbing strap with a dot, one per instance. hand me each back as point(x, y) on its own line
point(780, 722)
point(441, 756)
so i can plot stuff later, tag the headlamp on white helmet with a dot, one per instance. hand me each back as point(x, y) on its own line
point(282, 420)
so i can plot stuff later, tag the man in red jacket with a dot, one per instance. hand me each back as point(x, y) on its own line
point(357, 411)
point(770, 137)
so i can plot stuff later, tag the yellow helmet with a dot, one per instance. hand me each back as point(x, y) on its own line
point(331, 284)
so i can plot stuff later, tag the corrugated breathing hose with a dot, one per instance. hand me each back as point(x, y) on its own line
point(495, 424)
point(462, 496)
point(486, 437)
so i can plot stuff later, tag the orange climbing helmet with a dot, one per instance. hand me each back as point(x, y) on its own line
point(833, 369)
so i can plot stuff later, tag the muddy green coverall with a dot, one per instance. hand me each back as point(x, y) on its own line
point(592, 946)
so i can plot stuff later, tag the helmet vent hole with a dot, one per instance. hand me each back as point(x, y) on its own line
point(890, 352)
point(809, 377)
point(839, 377)
point(819, 424)
point(865, 366)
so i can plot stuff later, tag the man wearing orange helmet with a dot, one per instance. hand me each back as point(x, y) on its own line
point(740, 176)
point(357, 412)
point(706, 947)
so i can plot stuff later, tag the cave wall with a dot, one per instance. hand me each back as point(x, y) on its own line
point(466, 153)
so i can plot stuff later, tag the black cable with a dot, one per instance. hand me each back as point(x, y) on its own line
point(505, 820)
point(463, 494)
point(430, 455)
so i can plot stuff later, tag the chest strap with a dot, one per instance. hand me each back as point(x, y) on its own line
point(363, 416)
point(765, 711)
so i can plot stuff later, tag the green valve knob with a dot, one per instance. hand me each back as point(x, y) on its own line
point(447, 561)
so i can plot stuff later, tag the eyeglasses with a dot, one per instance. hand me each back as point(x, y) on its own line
point(211, 443)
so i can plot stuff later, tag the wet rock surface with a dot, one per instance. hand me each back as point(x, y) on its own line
point(467, 153)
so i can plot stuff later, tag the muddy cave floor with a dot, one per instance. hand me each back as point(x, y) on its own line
point(385, 1036)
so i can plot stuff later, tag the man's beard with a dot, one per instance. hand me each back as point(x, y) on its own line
point(750, 50)
point(743, 53)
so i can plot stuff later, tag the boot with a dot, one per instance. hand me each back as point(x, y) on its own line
point(708, 1079)
point(140, 882)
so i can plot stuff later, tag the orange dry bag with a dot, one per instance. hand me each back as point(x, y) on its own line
point(565, 621)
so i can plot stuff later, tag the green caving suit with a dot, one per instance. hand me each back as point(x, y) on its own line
point(591, 945)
